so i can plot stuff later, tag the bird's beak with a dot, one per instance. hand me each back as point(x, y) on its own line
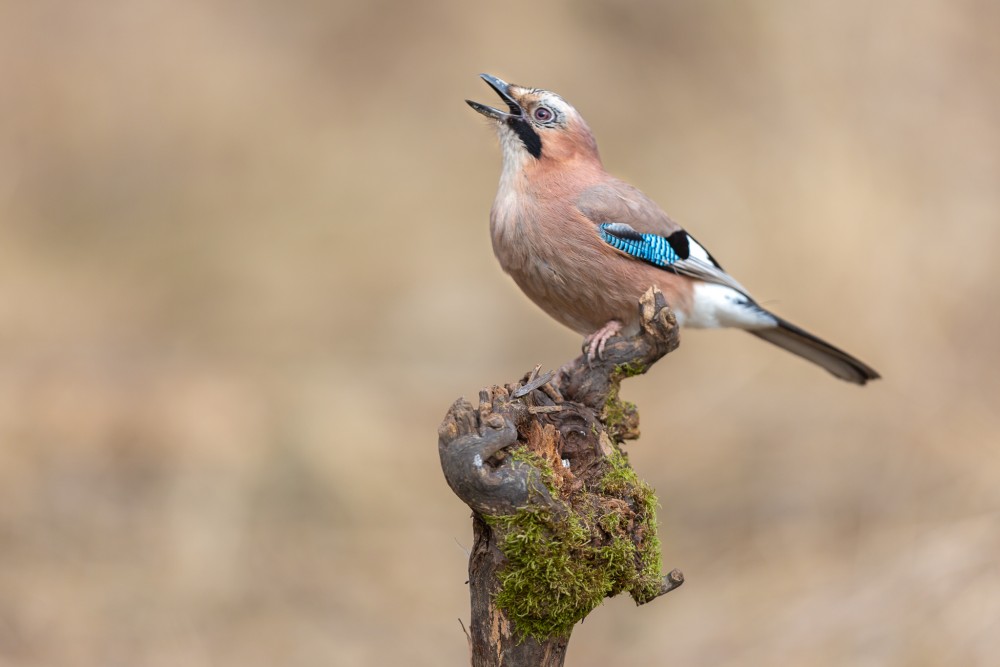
point(502, 89)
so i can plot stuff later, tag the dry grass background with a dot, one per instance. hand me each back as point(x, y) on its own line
point(245, 268)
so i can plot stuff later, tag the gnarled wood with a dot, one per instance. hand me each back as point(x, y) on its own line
point(577, 412)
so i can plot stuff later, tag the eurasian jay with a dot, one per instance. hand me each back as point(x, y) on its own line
point(584, 245)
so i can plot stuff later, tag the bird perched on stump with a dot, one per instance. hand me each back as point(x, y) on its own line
point(584, 245)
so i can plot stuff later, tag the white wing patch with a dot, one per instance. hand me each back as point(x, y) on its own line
point(714, 306)
point(696, 251)
point(699, 264)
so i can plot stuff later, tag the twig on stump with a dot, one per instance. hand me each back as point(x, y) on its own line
point(560, 519)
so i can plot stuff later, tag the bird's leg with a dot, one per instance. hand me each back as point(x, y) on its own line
point(595, 342)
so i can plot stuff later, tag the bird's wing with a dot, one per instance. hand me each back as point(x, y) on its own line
point(632, 222)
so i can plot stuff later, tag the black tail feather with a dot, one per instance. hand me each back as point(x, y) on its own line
point(802, 343)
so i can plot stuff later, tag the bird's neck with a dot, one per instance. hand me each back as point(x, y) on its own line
point(530, 188)
point(514, 172)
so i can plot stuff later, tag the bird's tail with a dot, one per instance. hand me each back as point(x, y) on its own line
point(798, 341)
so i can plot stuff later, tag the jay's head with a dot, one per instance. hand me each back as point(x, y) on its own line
point(538, 125)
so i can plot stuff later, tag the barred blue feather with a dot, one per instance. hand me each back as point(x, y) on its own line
point(651, 248)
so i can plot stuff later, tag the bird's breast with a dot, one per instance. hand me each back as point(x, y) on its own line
point(557, 258)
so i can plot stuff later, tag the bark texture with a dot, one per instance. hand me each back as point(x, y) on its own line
point(546, 449)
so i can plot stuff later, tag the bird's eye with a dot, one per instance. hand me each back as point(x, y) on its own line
point(543, 114)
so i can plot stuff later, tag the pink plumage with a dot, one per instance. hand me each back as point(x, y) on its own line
point(584, 245)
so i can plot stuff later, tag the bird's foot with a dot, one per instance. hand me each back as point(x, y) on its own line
point(595, 342)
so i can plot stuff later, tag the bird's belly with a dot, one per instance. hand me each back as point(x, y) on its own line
point(581, 303)
point(577, 278)
point(585, 295)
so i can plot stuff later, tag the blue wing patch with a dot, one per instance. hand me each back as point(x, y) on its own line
point(647, 247)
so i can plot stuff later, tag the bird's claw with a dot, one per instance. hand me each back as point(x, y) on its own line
point(595, 342)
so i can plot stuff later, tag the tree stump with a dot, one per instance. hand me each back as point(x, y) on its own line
point(560, 519)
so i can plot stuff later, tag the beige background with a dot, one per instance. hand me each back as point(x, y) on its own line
point(245, 268)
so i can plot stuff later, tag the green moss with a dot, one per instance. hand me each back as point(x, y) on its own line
point(617, 415)
point(628, 370)
point(538, 463)
point(611, 522)
point(551, 580)
point(649, 578)
point(613, 414)
point(621, 480)
point(562, 564)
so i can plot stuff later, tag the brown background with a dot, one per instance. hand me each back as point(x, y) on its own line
point(245, 268)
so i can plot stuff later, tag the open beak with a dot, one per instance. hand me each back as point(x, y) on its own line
point(502, 89)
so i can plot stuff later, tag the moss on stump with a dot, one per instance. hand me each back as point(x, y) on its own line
point(598, 538)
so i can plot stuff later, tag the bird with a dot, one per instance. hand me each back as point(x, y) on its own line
point(584, 245)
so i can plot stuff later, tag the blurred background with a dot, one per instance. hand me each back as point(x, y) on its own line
point(245, 268)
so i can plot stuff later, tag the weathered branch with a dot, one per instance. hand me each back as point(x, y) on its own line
point(559, 517)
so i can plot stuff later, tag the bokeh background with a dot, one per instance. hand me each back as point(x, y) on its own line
point(245, 269)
